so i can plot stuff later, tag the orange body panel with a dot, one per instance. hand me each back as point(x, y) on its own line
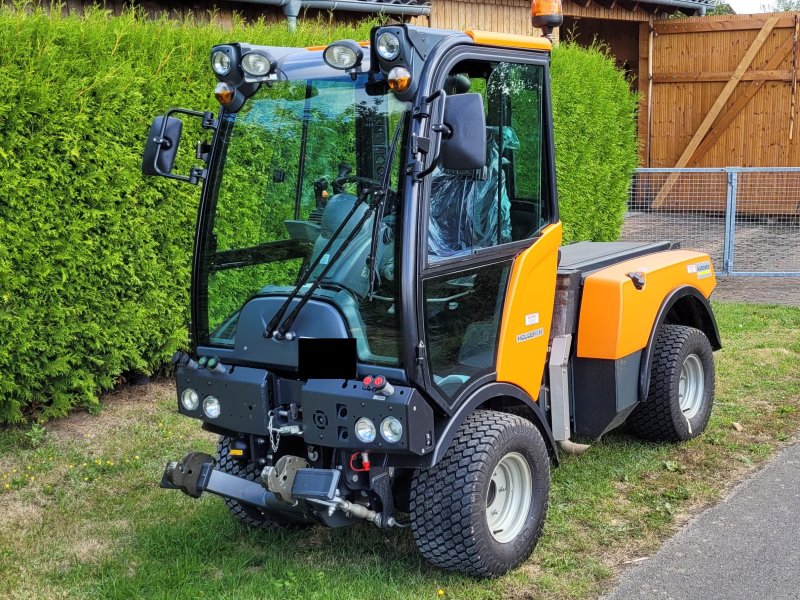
point(510, 40)
point(616, 318)
point(528, 313)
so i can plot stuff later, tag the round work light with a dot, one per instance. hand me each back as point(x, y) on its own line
point(365, 430)
point(388, 46)
point(391, 430)
point(189, 399)
point(221, 63)
point(211, 407)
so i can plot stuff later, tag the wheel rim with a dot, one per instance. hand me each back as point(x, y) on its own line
point(691, 387)
point(509, 497)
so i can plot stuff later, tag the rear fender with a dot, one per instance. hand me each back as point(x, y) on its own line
point(685, 305)
point(503, 397)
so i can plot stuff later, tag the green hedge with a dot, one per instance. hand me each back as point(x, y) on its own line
point(594, 122)
point(94, 258)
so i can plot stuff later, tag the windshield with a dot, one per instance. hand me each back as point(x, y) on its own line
point(296, 173)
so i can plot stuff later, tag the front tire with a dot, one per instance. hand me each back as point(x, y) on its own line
point(246, 513)
point(681, 394)
point(481, 509)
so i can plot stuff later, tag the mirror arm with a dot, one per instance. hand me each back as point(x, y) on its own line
point(439, 128)
point(195, 173)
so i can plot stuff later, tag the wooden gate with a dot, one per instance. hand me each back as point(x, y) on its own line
point(719, 92)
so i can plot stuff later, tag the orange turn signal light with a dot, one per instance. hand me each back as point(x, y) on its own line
point(399, 79)
point(224, 93)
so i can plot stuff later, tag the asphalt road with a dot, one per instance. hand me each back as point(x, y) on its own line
point(745, 548)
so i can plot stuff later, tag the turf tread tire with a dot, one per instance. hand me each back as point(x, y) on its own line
point(248, 515)
point(659, 418)
point(448, 500)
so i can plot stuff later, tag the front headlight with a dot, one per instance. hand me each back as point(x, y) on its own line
point(365, 430)
point(221, 63)
point(391, 430)
point(256, 64)
point(211, 407)
point(344, 54)
point(388, 46)
point(189, 399)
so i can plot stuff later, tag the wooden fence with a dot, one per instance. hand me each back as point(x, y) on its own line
point(721, 91)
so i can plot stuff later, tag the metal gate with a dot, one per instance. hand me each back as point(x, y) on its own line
point(747, 219)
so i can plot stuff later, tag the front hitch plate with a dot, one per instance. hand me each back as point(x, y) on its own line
point(280, 478)
point(189, 475)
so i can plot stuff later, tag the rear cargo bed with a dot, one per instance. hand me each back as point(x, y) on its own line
point(581, 259)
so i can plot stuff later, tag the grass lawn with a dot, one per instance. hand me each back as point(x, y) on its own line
point(81, 514)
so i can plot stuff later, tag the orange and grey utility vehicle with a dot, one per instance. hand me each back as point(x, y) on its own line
point(385, 325)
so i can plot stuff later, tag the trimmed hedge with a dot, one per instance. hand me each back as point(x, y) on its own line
point(595, 130)
point(94, 258)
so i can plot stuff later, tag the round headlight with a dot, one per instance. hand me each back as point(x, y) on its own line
point(211, 407)
point(399, 79)
point(344, 54)
point(388, 46)
point(221, 62)
point(190, 399)
point(365, 430)
point(256, 64)
point(391, 430)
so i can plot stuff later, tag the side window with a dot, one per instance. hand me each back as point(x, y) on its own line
point(462, 312)
point(503, 202)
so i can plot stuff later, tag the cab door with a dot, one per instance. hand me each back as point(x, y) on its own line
point(489, 239)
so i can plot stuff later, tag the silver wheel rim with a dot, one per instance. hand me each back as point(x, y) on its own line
point(691, 387)
point(509, 497)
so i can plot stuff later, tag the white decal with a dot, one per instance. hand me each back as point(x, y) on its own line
point(691, 269)
point(524, 337)
point(532, 319)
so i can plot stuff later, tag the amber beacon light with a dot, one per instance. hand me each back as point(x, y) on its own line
point(547, 15)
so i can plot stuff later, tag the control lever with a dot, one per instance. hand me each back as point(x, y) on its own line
point(344, 171)
point(321, 192)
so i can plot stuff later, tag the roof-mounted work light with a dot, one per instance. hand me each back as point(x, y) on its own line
point(343, 55)
point(547, 15)
point(388, 46)
point(221, 62)
point(257, 64)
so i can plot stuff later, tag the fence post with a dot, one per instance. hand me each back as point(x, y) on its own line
point(730, 220)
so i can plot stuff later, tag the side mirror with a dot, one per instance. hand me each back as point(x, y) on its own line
point(162, 146)
point(463, 145)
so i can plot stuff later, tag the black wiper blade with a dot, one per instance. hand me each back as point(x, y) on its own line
point(273, 323)
point(281, 331)
point(382, 195)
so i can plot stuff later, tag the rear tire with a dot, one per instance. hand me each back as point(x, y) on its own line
point(247, 514)
point(481, 509)
point(681, 394)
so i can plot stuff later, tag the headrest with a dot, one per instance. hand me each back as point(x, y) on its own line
point(457, 84)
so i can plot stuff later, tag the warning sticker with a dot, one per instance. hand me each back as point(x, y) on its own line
point(524, 337)
point(532, 319)
point(703, 269)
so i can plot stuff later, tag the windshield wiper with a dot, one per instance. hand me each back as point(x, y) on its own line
point(281, 331)
point(273, 323)
point(376, 209)
point(380, 206)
